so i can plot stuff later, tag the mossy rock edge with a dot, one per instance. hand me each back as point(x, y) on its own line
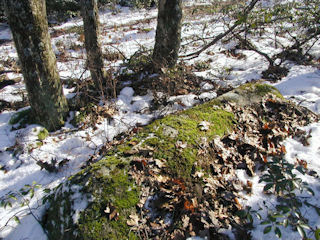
point(249, 94)
point(97, 202)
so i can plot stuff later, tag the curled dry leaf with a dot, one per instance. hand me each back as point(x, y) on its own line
point(194, 202)
point(204, 126)
point(187, 205)
point(198, 174)
point(114, 215)
point(111, 212)
point(215, 201)
point(185, 221)
point(180, 144)
point(264, 157)
point(155, 226)
point(238, 204)
point(160, 163)
point(213, 218)
point(180, 183)
point(283, 149)
point(302, 163)
point(182, 92)
point(162, 178)
point(133, 221)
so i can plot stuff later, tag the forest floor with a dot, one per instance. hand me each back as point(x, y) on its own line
point(32, 160)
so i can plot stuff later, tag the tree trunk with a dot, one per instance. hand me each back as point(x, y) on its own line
point(89, 10)
point(29, 26)
point(168, 34)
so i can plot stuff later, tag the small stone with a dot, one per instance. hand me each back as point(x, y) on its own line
point(170, 132)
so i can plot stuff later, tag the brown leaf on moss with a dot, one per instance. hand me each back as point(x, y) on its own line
point(133, 221)
point(111, 212)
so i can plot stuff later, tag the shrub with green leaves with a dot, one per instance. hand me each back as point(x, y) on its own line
point(23, 197)
point(282, 181)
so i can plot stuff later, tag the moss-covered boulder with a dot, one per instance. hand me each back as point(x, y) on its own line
point(249, 94)
point(97, 202)
point(94, 204)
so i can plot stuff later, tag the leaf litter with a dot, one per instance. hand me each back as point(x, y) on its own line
point(206, 204)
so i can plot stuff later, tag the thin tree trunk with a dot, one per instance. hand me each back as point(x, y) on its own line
point(168, 34)
point(29, 26)
point(90, 15)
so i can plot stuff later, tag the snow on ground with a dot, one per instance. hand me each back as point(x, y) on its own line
point(5, 33)
point(303, 86)
point(264, 203)
point(128, 30)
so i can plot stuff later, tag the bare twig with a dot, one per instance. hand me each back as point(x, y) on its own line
point(300, 43)
point(12, 217)
point(119, 51)
point(247, 10)
point(251, 47)
point(26, 212)
point(307, 51)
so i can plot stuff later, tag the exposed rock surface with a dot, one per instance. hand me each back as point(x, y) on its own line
point(175, 177)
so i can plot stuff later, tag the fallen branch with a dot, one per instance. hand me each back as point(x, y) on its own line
point(251, 47)
point(119, 51)
point(298, 44)
point(247, 10)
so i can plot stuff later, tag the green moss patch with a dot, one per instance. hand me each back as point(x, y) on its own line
point(177, 137)
point(260, 89)
point(43, 133)
point(109, 189)
point(119, 194)
point(105, 185)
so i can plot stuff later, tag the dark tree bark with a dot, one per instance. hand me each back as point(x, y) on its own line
point(29, 26)
point(90, 15)
point(168, 34)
